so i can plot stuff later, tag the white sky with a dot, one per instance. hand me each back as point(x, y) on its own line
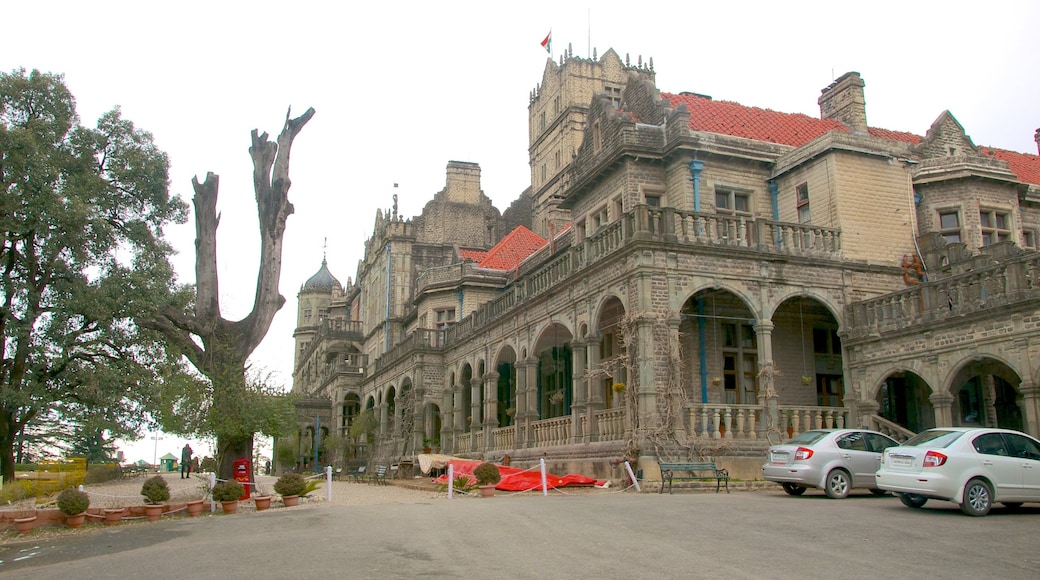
point(402, 88)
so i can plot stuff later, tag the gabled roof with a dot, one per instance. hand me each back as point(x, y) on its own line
point(512, 249)
point(796, 129)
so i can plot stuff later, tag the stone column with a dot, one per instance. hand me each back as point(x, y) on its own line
point(447, 420)
point(579, 389)
point(595, 400)
point(491, 399)
point(475, 386)
point(1030, 405)
point(384, 418)
point(532, 401)
point(460, 426)
point(989, 399)
point(942, 404)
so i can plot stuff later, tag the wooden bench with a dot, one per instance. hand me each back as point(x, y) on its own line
point(695, 471)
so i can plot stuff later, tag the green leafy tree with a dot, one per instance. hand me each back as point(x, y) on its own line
point(81, 253)
point(217, 347)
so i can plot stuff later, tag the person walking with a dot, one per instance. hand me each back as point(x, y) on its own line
point(186, 454)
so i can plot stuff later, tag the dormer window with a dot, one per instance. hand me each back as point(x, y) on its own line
point(614, 93)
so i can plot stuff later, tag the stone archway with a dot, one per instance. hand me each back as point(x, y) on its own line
point(986, 393)
point(555, 388)
point(720, 348)
point(807, 351)
point(506, 387)
point(904, 398)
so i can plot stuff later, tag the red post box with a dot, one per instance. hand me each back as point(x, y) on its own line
point(241, 471)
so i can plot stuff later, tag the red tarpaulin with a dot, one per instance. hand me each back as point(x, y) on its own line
point(514, 479)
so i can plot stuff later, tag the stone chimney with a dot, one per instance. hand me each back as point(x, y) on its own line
point(843, 101)
point(463, 182)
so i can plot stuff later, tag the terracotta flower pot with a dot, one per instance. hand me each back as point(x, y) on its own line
point(262, 502)
point(487, 491)
point(153, 511)
point(24, 525)
point(195, 507)
point(229, 507)
point(75, 521)
point(113, 516)
point(290, 500)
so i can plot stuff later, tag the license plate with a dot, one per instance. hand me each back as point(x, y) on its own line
point(900, 461)
point(779, 458)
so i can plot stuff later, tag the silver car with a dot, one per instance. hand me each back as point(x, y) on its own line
point(971, 467)
point(836, 460)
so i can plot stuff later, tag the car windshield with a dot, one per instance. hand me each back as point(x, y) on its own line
point(933, 438)
point(807, 438)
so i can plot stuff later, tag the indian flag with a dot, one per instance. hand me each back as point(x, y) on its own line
point(547, 43)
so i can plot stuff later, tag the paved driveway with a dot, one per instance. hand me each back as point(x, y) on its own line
point(740, 535)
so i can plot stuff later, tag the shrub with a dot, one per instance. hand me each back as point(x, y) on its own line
point(487, 474)
point(155, 489)
point(17, 491)
point(72, 501)
point(226, 491)
point(102, 474)
point(291, 483)
point(461, 483)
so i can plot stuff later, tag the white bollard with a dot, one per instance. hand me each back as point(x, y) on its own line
point(328, 483)
point(632, 476)
point(212, 482)
point(545, 483)
point(451, 479)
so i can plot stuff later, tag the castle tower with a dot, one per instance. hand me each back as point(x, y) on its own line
point(557, 116)
point(313, 303)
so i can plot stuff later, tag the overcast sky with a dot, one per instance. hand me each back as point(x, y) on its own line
point(400, 89)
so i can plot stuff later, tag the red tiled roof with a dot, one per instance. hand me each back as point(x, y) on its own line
point(795, 129)
point(734, 119)
point(472, 255)
point(894, 135)
point(512, 249)
point(1024, 165)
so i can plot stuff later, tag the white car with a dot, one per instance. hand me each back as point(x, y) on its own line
point(835, 460)
point(971, 467)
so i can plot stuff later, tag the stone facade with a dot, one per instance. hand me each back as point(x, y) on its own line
point(714, 275)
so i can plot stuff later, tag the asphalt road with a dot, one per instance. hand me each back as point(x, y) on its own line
point(741, 535)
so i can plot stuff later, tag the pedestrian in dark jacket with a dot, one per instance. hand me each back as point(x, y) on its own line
point(186, 461)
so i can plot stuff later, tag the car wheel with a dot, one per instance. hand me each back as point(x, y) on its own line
point(1012, 505)
point(911, 500)
point(877, 491)
point(793, 489)
point(978, 498)
point(838, 484)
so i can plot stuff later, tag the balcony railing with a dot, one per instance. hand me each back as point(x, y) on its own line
point(1010, 282)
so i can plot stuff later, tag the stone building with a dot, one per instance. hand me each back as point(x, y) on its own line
point(685, 277)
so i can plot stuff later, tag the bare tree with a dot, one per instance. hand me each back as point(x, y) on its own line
point(217, 347)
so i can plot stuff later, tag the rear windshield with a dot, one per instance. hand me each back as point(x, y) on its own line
point(933, 438)
point(807, 438)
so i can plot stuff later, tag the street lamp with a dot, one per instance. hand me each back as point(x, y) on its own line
point(155, 454)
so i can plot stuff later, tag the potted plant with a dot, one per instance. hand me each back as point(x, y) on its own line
point(155, 491)
point(806, 379)
point(487, 476)
point(227, 493)
point(25, 521)
point(618, 388)
point(290, 486)
point(261, 500)
point(73, 503)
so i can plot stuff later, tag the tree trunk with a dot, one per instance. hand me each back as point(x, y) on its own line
point(226, 345)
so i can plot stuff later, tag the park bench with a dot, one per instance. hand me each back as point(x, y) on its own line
point(695, 471)
point(379, 475)
point(357, 475)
